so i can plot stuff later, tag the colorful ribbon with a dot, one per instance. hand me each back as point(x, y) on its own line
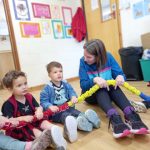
point(81, 98)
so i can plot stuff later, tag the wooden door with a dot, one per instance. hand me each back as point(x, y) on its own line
point(108, 31)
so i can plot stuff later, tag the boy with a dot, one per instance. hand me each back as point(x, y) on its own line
point(22, 106)
point(58, 92)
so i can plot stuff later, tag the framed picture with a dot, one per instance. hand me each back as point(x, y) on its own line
point(21, 10)
point(105, 7)
point(30, 29)
point(55, 11)
point(68, 31)
point(67, 15)
point(41, 10)
point(57, 29)
point(138, 10)
point(45, 26)
point(3, 26)
point(147, 7)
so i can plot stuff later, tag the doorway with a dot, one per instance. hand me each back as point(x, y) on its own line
point(103, 22)
point(8, 57)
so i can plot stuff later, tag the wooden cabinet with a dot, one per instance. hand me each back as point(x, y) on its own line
point(6, 63)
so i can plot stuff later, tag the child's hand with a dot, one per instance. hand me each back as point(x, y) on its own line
point(54, 108)
point(2, 124)
point(14, 122)
point(26, 118)
point(3, 120)
point(74, 100)
point(39, 113)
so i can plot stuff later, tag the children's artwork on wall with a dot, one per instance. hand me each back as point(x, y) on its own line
point(41, 10)
point(147, 7)
point(138, 10)
point(21, 9)
point(45, 26)
point(3, 26)
point(30, 29)
point(68, 31)
point(55, 10)
point(57, 29)
point(67, 15)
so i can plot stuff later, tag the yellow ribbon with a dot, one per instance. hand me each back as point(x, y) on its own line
point(96, 87)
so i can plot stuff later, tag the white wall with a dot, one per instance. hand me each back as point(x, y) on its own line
point(133, 28)
point(35, 53)
point(4, 44)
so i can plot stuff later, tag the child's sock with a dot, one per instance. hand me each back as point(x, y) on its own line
point(28, 146)
point(128, 110)
point(111, 112)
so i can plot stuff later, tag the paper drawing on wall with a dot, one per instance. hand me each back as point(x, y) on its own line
point(105, 7)
point(55, 10)
point(147, 7)
point(46, 27)
point(30, 29)
point(3, 26)
point(68, 31)
point(67, 15)
point(58, 29)
point(138, 10)
point(41, 10)
point(21, 10)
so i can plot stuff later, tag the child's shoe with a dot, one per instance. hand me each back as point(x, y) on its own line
point(92, 117)
point(43, 141)
point(58, 140)
point(138, 106)
point(70, 128)
point(83, 124)
point(135, 123)
point(119, 128)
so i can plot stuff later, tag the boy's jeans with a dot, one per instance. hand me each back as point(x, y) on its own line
point(8, 143)
point(61, 116)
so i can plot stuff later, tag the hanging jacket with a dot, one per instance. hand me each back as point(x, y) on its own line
point(79, 25)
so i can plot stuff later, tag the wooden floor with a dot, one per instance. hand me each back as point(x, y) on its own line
point(102, 139)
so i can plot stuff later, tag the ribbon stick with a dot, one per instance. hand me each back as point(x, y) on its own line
point(81, 98)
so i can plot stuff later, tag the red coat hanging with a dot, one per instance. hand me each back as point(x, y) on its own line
point(79, 25)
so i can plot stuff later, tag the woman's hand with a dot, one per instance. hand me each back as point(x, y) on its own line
point(119, 81)
point(101, 82)
point(54, 108)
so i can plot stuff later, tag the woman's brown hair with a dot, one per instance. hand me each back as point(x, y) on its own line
point(97, 48)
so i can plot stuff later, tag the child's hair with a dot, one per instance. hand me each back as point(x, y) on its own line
point(10, 76)
point(52, 65)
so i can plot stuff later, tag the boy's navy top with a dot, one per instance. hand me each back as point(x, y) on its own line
point(48, 95)
point(87, 72)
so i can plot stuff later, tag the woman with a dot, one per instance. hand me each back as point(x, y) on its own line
point(96, 67)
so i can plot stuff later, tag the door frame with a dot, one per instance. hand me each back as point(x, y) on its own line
point(11, 34)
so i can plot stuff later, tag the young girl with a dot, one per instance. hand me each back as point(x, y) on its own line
point(9, 143)
point(58, 92)
point(22, 106)
point(96, 67)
